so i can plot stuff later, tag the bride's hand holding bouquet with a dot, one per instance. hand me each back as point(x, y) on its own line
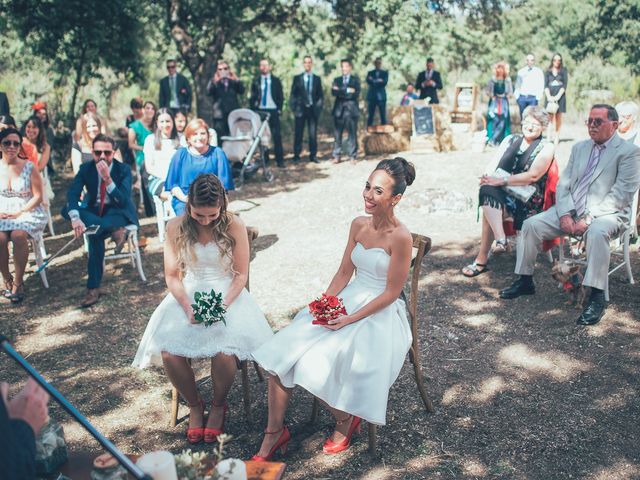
point(329, 311)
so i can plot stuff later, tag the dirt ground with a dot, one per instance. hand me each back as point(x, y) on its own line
point(520, 392)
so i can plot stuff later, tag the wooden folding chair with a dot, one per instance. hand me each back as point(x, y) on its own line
point(422, 245)
point(252, 233)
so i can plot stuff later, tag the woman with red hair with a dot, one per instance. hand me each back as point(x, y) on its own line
point(189, 162)
point(499, 89)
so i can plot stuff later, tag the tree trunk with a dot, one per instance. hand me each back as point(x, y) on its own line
point(70, 117)
point(201, 77)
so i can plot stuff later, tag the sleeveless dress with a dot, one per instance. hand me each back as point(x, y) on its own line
point(13, 198)
point(351, 369)
point(169, 330)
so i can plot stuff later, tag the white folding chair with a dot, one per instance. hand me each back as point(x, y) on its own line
point(619, 248)
point(164, 212)
point(47, 205)
point(132, 251)
point(39, 253)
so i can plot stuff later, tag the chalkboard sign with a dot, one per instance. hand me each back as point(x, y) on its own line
point(423, 122)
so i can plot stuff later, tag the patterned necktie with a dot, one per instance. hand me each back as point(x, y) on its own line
point(264, 93)
point(580, 193)
point(103, 196)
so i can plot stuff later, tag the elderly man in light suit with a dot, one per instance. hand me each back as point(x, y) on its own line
point(593, 200)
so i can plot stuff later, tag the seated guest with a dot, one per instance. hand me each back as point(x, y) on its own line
point(199, 157)
point(107, 203)
point(81, 150)
point(34, 132)
point(351, 363)
point(527, 160)
point(21, 419)
point(181, 120)
point(593, 200)
point(21, 212)
point(136, 111)
point(159, 148)
point(28, 151)
point(628, 113)
point(89, 106)
point(409, 96)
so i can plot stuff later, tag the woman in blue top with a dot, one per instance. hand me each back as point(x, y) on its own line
point(189, 162)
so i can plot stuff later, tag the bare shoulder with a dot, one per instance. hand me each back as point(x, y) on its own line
point(402, 237)
point(235, 223)
point(358, 224)
point(172, 227)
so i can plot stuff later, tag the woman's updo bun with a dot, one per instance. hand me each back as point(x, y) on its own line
point(402, 172)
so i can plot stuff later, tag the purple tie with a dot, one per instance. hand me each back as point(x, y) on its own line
point(580, 193)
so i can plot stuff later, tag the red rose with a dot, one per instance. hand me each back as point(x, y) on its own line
point(333, 302)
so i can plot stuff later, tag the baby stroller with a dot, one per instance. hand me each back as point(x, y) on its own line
point(249, 132)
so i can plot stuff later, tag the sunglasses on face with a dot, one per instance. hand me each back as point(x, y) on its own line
point(171, 67)
point(221, 69)
point(596, 122)
point(10, 143)
point(106, 153)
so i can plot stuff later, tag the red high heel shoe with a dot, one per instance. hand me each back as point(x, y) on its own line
point(281, 444)
point(211, 434)
point(330, 447)
point(196, 434)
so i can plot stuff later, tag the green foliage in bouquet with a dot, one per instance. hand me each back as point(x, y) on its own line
point(208, 308)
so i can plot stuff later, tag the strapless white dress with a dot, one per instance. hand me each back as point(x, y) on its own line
point(352, 369)
point(169, 330)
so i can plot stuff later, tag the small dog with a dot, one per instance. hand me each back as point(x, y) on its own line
point(570, 277)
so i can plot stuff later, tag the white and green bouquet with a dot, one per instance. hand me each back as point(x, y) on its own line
point(208, 308)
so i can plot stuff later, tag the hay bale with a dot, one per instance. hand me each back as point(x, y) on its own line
point(381, 129)
point(401, 119)
point(380, 143)
point(402, 141)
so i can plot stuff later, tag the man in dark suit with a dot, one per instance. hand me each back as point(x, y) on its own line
point(107, 203)
point(175, 91)
point(224, 88)
point(267, 97)
point(4, 104)
point(429, 82)
point(21, 419)
point(346, 89)
point(306, 102)
point(377, 95)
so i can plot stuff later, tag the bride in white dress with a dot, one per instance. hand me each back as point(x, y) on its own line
point(206, 248)
point(351, 363)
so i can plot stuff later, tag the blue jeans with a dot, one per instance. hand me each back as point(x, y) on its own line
point(526, 100)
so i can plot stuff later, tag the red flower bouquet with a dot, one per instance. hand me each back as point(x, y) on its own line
point(326, 308)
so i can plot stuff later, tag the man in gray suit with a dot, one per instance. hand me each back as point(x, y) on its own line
point(593, 200)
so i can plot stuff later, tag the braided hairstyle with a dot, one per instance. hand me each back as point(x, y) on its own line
point(205, 191)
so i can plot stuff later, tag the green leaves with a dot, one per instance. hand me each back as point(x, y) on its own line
point(208, 308)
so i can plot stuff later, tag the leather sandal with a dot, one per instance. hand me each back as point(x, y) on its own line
point(473, 268)
point(18, 295)
point(501, 246)
point(8, 288)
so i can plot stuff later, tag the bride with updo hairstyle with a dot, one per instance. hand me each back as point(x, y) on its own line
point(207, 248)
point(350, 363)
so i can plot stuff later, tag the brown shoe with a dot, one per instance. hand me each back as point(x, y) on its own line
point(91, 298)
point(119, 236)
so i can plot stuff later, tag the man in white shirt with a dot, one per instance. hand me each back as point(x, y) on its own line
point(267, 97)
point(529, 84)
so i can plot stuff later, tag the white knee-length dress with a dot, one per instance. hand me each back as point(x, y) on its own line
point(352, 368)
point(169, 329)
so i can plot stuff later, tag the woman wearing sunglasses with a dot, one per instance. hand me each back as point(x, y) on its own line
point(21, 212)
